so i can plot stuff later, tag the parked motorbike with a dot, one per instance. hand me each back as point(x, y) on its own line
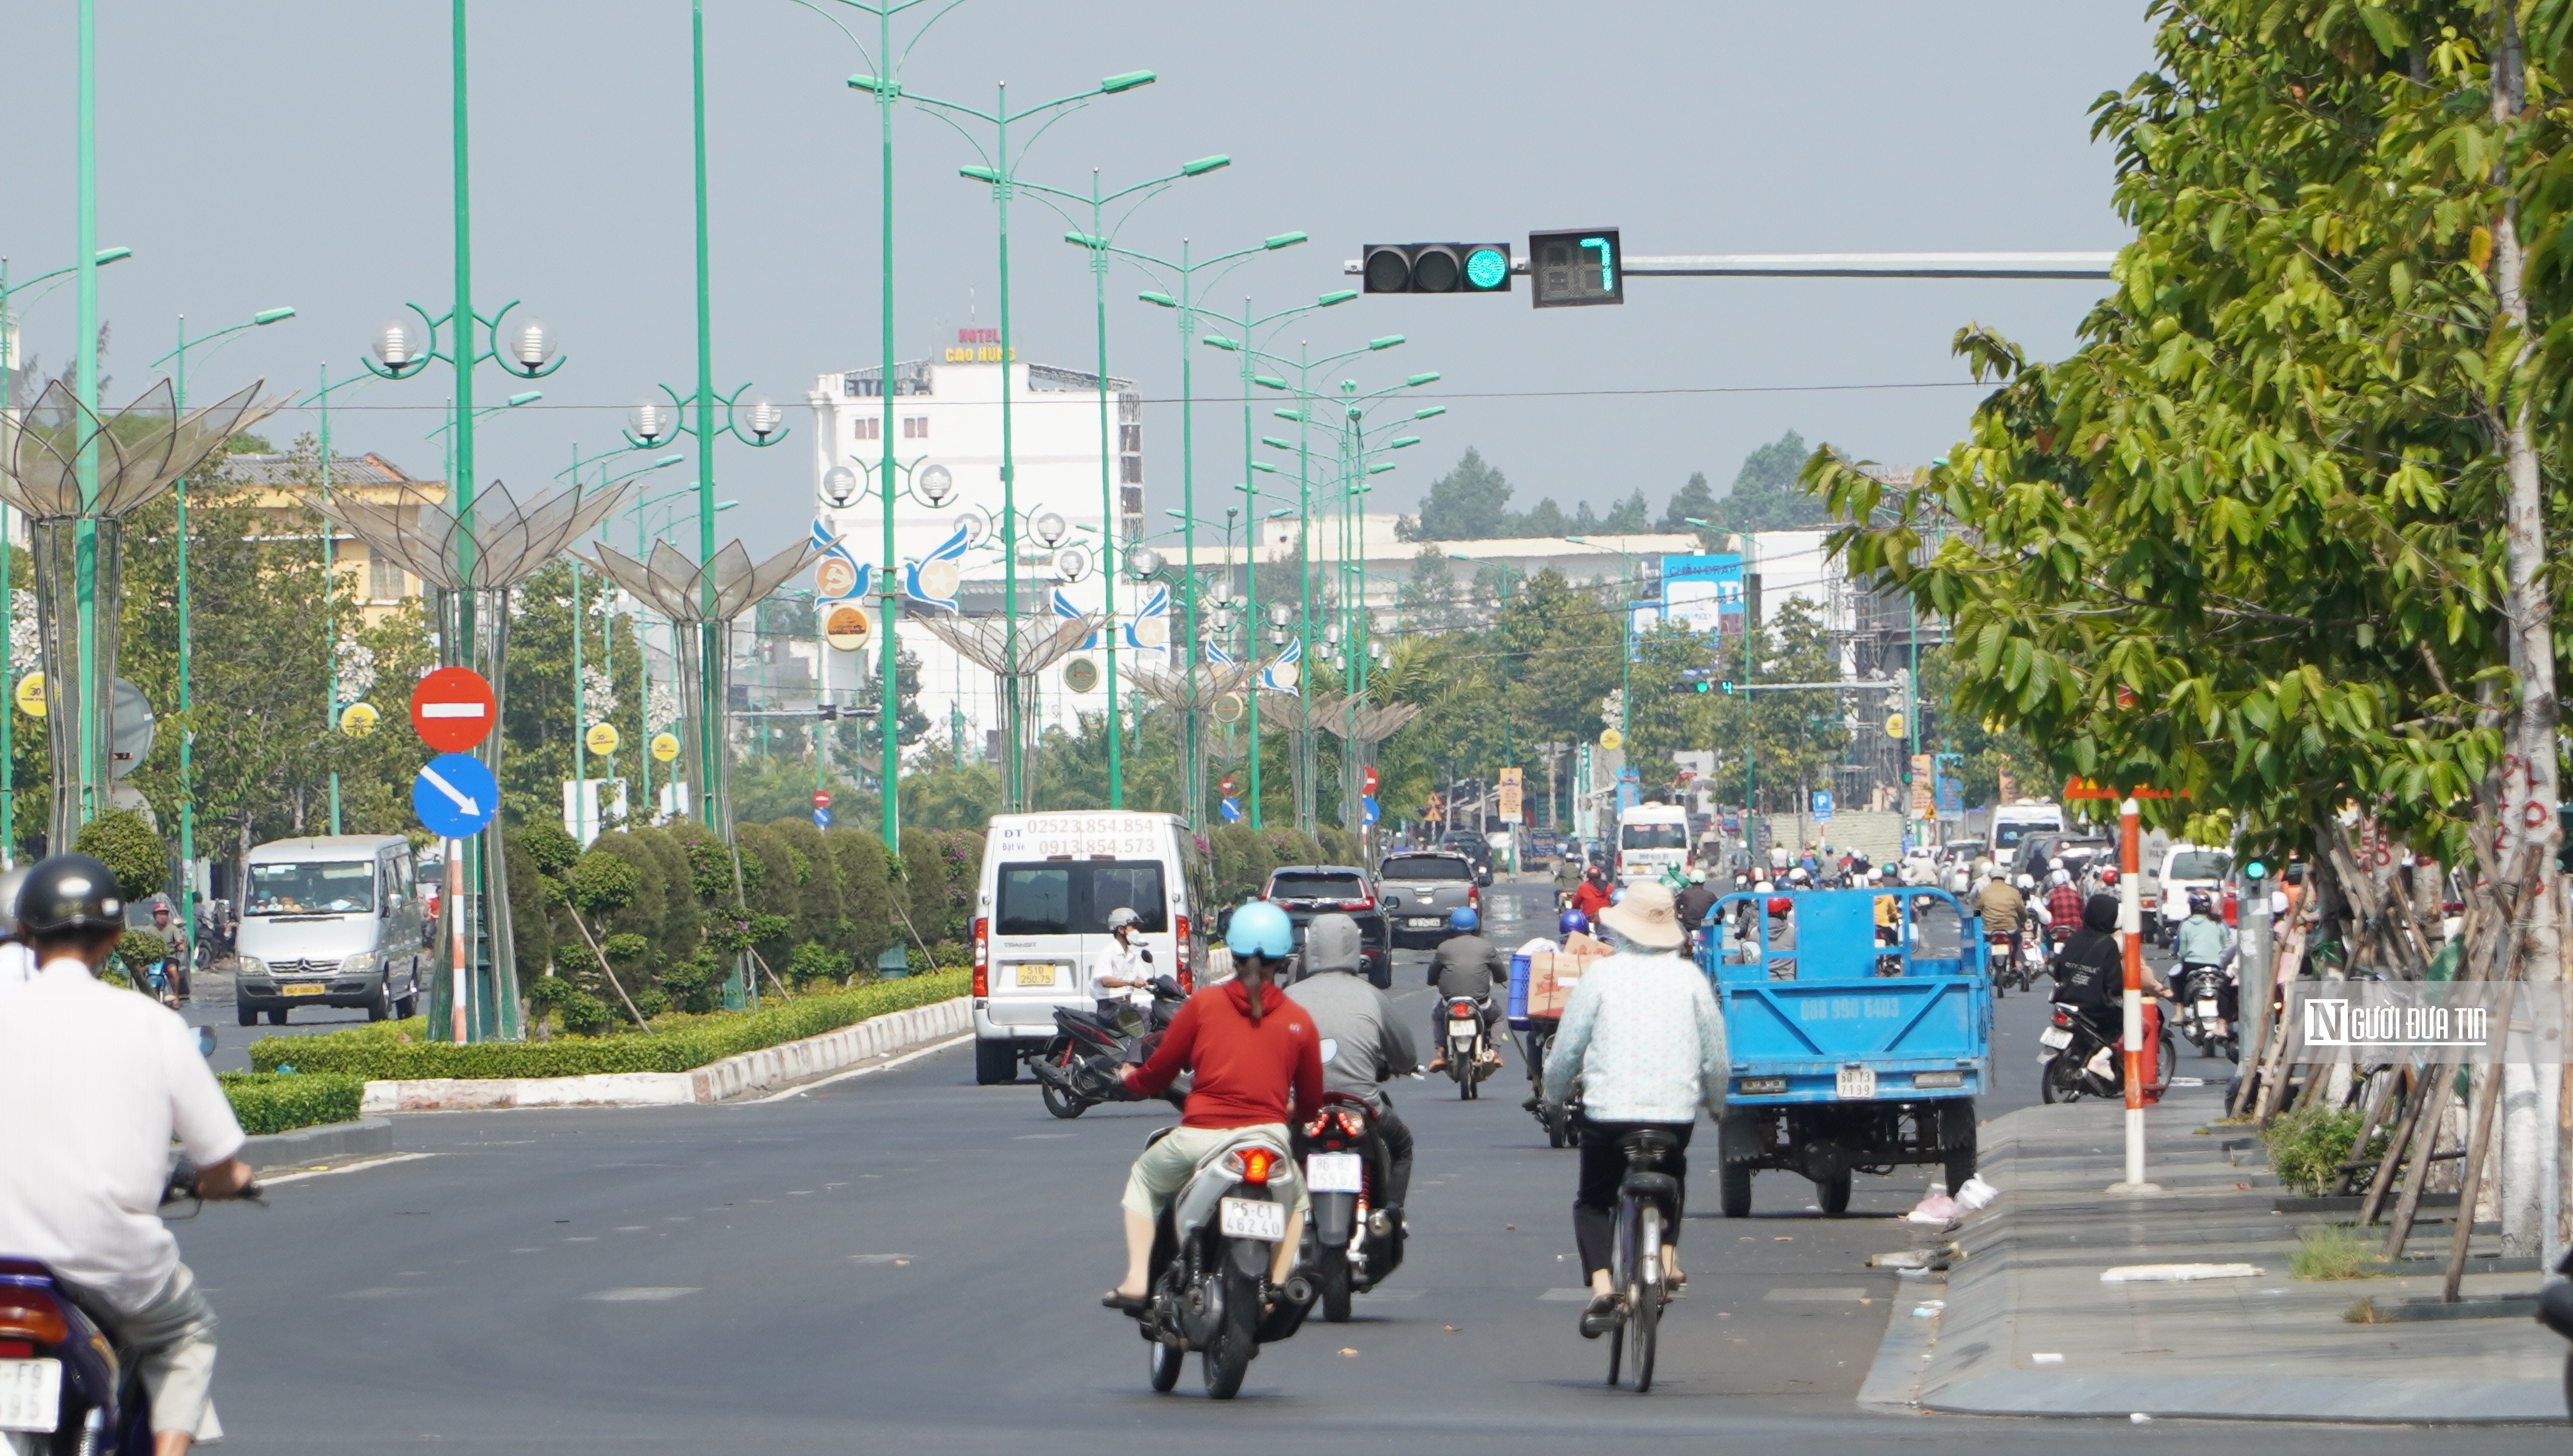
point(63, 1386)
point(1468, 1050)
point(1122, 1035)
point(2197, 988)
point(1355, 1241)
point(2083, 1060)
point(1209, 1269)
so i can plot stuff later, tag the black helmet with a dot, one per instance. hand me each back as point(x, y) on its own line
point(70, 893)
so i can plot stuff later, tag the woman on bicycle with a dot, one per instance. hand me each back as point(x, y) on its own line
point(1642, 1035)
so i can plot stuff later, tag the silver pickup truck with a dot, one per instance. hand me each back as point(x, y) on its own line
point(1420, 889)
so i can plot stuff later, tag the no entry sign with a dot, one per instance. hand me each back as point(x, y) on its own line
point(453, 709)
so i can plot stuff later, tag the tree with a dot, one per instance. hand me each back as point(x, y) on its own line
point(1696, 498)
point(1765, 496)
point(1469, 501)
point(1630, 516)
point(1427, 602)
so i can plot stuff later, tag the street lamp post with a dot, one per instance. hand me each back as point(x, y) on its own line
point(1099, 241)
point(999, 171)
point(1627, 666)
point(9, 293)
point(1750, 673)
point(187, 724)
point(666, 501)
point(580, 801)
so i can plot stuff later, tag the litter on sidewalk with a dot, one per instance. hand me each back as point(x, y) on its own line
point(2175, 1273)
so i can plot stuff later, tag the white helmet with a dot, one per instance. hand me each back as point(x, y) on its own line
point(2056, 876)
point(2026, 881)
point(1122, 917)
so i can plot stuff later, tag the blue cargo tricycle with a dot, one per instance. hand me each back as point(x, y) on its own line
point(1858, 1041)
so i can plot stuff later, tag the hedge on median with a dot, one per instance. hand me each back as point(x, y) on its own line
point(269, 1101)
point(379, 1053)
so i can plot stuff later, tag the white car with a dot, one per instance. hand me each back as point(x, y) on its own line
point(2189, 868)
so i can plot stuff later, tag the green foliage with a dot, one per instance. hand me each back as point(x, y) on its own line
point(2307, 1146)
point(549, 847)
point(603, 881)
point(1765, 494)
point(809, 964)
point(583, 1014)
point(2331, 1252)
point(368, 1053)
point(265, 1103)
point(138, 949)
point(124, 843)
point(531, 903)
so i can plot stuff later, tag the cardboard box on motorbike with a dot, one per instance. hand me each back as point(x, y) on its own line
point(1542, 975)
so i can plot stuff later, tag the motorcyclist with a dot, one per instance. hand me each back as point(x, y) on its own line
point(1257, 1063)
point(2202, 940)
point(176, 940)
point(1643, 1035)
point(2001, 908)
point(2090, 971)
point(1469, 966)
point(1122, 974)
point(1363, 1042)
point(2064, 905)
point(117, 1076)
point(1694, 902)
point(1591, 896)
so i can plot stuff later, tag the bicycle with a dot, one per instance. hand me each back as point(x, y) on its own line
point(1648, 1203)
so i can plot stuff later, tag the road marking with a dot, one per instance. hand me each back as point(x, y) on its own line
point(629, 1229)
point(580, 1239)
point(1837, 1296)
point(891, 1259)
point(324, 1172)
point(641, 1293)
point(792, 1091)
point(1042, 1137)
point(380, 1294)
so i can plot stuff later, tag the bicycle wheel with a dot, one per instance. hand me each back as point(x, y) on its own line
point(1644, 1298)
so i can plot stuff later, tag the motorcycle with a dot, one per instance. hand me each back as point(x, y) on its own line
point(1211, 1257)
point(2007, 968)
point(1469, 1060)
point(2083, 1062)
point(1122, 1035)
point(64, 1387)
point(2196, 988)
point(1353, 1244)
point(158, 977)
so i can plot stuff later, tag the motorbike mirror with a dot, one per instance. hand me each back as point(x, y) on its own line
point(205, 1041)
point(1167, 986)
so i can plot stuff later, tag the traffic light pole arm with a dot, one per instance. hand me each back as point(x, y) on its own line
point(1790, 687)
point(1849, 265)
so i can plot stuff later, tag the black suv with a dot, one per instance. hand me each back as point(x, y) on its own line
point(1306, 891)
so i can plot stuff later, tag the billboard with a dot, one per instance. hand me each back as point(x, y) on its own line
point(1703, 594)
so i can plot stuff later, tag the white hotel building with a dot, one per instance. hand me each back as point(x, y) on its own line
point(947, 412)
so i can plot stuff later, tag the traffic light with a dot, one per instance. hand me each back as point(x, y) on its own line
point(1698, 679)
point(1577, 267)
point(1437, 268)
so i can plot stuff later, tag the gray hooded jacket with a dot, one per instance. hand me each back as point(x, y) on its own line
point(1363, 1042)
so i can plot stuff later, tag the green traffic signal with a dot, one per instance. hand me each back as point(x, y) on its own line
point(1487, 269)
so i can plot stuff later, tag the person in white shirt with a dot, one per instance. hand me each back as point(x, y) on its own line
point(98, 1083)
point(1123, 972)
point(1644, 1038)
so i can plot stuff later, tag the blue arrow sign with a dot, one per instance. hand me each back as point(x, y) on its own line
point(455, 796)
point(821, 818)
point(1370, 801)
point(1232, 809)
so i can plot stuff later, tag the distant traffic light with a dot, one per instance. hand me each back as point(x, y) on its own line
point(1698, 679)
point(1437, 268)
point(1581, 265)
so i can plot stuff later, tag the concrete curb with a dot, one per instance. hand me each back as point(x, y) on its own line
point(764, 1069)
point(366, 1137)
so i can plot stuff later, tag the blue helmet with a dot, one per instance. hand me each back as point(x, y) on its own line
point(1462, 920)
point(1573, 923)
point(1260, 928)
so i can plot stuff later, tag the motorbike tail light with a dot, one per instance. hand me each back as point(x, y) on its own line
point(1256, 1164)
point(16, 1349)
point(983, 954)
point(1474, 895)
point(1179, 928)
point(1460, 1008)
point(2062, 1019)
point(33, 1315)
point(1351, 1123)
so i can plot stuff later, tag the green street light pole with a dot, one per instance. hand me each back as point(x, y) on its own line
point(1750, 671)
point(999, 171)
point(1098, 240)
point(643, 693)
point(1183, 304)
point(85, 390)
point(331, 553)
point(1249, 348)
point(1627, 667)
point(187, 724)
point(579, 614)
point(9, 293)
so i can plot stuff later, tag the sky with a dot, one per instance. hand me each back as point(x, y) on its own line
point(296, 152)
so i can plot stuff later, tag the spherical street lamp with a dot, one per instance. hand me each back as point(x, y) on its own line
point(1144, 562)
point(527, 347)
point(653, 421)
point(839, 486)
point(1048, 526)
point(763, 416)
point(935, 483)
point(400, 344)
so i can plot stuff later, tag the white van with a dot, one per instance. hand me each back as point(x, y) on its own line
point(331, 921)
point(1041, 917)
point(2020, 820)
point(1652, 838)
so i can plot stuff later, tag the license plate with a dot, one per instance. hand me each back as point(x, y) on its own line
point(1036, 976)
point(1423, 922)
point(1856, 1082)
point(1334, 1172)
point(308, 988)
point(2207, 1009)
point(1464, 1029)
point(1253, 1218)
point(2055, 1039)
point(31, 1394)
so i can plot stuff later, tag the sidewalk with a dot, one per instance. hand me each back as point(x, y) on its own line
point(2028, 1329)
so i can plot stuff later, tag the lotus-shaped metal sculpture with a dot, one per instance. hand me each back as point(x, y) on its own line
point(48, 452)
point(706, 598)
point(1194, 694)
point(505, 542)
point(1014, 650)
point(1361, 727)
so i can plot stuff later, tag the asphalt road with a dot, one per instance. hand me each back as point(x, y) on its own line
point(904, 1260)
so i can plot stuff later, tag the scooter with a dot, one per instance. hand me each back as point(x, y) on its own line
point(1210, 1288)
point(1469, 1060)
point(2196, 988)
point(2081, 1061)
point(1356, 1241)
point(1118, 1036)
